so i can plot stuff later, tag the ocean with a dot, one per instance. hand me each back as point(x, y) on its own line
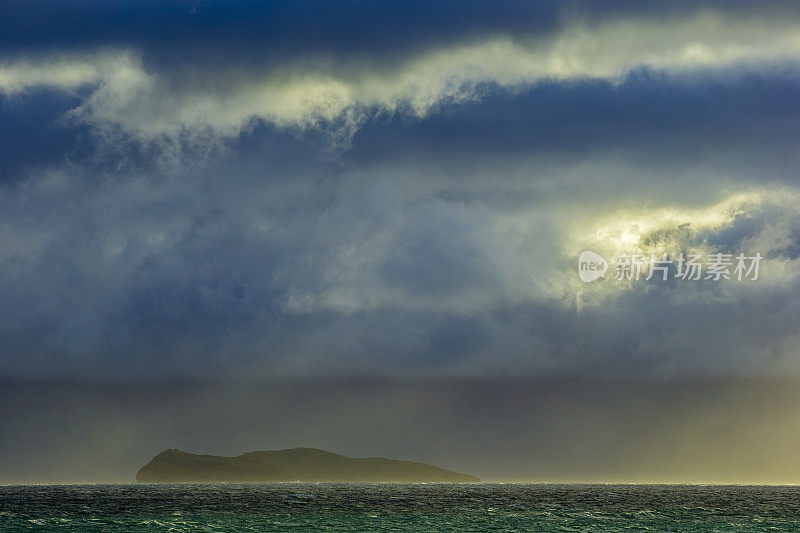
point(397, 507)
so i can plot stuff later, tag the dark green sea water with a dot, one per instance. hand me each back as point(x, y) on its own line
point(437, 507)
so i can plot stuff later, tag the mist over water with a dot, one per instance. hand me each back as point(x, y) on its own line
point(552, 430)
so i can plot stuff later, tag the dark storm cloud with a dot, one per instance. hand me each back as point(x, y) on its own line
point(213, 70)
point(744, 118)
point(257, 30)
point(298, 273)
point(193, 28)
point(198, 189)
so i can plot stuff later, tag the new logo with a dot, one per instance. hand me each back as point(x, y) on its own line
point(591, 266)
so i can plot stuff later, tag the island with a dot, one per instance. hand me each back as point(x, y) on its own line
point(295, 464)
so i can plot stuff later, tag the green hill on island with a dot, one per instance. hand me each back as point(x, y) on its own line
point(296, 464)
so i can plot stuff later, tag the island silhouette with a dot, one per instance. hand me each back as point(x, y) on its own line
point(294, 464)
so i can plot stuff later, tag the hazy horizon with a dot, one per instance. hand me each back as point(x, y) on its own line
point(500, 430)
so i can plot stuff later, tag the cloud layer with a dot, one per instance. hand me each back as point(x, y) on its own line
point(340, 92)
point(169, 211)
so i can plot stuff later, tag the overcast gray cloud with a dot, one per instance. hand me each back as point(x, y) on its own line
point(404, 209)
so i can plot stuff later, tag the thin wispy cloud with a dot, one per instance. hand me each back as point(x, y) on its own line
point(339, 93)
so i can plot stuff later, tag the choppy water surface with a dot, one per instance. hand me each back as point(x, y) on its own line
point(439, 507)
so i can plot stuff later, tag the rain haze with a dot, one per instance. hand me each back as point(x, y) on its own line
point(356, 226)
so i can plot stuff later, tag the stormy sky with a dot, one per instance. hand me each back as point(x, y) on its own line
point(260, 189)
point(206, 190)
